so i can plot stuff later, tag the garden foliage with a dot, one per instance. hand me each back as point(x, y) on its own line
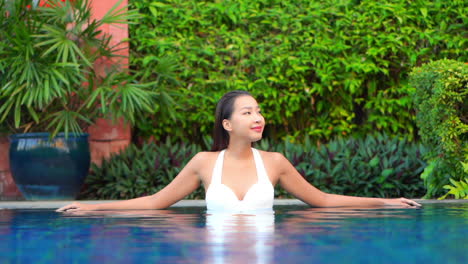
point(55, 70)
point(319, 68)
point(441, 100)
point(375, 166)
point(138, 171)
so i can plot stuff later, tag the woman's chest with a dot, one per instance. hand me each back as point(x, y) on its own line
point(238, 175)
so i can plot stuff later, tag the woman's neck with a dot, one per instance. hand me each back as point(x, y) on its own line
point(239, 150)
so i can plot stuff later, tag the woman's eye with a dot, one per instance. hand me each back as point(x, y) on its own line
point(247, 113)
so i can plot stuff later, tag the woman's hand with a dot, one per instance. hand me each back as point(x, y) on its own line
point(76, 206)
point(401, 202)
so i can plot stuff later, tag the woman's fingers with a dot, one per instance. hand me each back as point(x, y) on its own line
point(69, 208)
point(402, 202)
point(410, 202)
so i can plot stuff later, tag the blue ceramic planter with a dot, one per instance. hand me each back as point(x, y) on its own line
point(46, 169)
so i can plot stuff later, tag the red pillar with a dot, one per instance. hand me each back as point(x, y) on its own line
point(8, 189)
point(106, 137)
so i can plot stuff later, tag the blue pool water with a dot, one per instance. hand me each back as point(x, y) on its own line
point(437, 233)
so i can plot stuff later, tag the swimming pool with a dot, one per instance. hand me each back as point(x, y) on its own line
point(437, 233)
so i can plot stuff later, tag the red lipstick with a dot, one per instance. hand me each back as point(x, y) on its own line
point(257, 128)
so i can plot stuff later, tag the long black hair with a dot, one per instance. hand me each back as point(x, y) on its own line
point(224, 110)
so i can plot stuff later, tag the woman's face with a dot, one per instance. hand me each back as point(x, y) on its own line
point(246, 119)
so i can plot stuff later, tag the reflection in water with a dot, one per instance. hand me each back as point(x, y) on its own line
point(222, 238)
point(218, 237)
point(240, 238)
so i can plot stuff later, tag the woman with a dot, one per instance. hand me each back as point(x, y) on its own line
point(236, 176)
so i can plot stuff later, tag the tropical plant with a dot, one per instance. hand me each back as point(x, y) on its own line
point(55, 71)
point(459, 189)
point(441, 101)
point(161, 72)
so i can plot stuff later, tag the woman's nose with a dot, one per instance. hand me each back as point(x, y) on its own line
point(258, 118)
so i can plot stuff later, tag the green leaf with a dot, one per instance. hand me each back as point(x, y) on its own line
point(423, 11)
point(33, 113)
point(387, 172)
point(17, 113)
point(374, 162)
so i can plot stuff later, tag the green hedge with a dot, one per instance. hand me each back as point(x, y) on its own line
point(138, 171)
point(441, 100)
point(374, 167)
point(320, 68)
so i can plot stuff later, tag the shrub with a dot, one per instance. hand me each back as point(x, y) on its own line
point(320, 68)
point(139, 171)
point(374, 166)
point(441, 100)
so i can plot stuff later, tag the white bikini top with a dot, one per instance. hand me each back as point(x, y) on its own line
point(220, 197)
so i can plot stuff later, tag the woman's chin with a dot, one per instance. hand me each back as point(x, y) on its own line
point(257, 138)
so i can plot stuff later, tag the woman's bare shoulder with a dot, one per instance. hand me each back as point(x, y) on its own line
point(205, 156)
point(275, 163)
point(203, 163)
point(273, 157)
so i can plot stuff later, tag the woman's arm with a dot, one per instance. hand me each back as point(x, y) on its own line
point(183, 184)
point(294, 183)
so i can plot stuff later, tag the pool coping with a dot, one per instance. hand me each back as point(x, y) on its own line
point(183, 203)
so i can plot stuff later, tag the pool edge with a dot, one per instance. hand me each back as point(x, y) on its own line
point(183, 203)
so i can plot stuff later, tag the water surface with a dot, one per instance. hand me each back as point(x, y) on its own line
point(437, 233)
